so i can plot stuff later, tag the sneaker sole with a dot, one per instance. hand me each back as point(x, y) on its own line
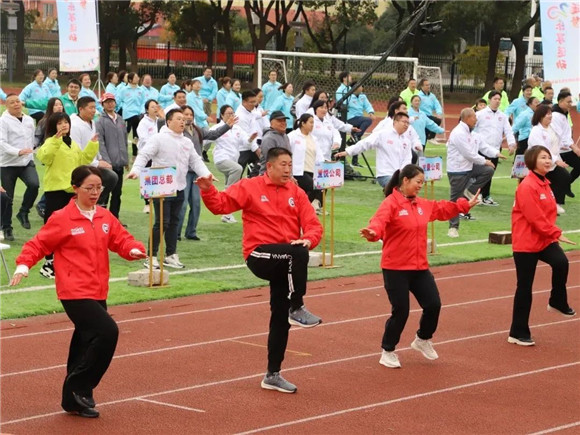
point(274, 388)
point(514, 340)
point(173, 266)
point(296, 323)
point(555, 310)
point(489, 205)
point(46, 274)
point(415, 347)
point(390, 366)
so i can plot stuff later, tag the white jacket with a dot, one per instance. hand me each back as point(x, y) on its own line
point(147, 127)
point(393, 150)
point(247, 122)
point(302, 105)
point(561, 127)
point(462, 150)
point(263, 122)
point(168, 148)
point(548, 138)
point(493, 126)
point(298, 146)
point(227, 146)
point(82, 132)
point(15, 136)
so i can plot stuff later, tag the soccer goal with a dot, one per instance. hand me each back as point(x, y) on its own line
point(433, 74)
point(296, 67)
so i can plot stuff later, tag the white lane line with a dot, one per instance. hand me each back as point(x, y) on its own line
point(410, 397)
point(227, 307)
point(260, 334)
point(302, 367)
point(170, 405)
point(557, 429)
point(241, 266)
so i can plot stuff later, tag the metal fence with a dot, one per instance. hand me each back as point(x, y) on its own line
point(188, 61)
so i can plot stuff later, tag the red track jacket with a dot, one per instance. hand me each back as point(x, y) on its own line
point(534, 216)
point(271, 213)
point(401, 224)
point(81, 250)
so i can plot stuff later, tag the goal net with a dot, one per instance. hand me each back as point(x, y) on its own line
point(433, 74)
point(296, 67)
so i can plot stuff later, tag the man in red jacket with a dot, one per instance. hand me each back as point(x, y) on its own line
point(280, 226)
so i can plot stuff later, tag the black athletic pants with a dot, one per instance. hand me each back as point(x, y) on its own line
point(398, 284)
point(286, 267)
point(132, 124)
point(91, 350)
point(306, 183)
point(486, 190)
point(526, 263)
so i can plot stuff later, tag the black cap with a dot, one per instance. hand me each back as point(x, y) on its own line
point(278, 114)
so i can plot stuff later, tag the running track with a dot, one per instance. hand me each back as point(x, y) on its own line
point(194, 365)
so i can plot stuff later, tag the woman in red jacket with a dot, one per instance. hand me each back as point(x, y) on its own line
point(535, 237)
point(81, 235)
point(401, 223)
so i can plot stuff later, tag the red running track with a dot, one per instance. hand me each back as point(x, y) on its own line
point(194, 365)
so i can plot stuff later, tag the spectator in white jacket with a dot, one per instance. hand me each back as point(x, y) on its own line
point(569, 152)
point(493, 124)
point(249, 153)
point(393, 147)
point(305, 154)
point(17, 162)
point(467, 169)
point(302, 105)
point(170, 148)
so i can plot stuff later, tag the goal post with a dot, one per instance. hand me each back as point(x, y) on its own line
point(297, 67)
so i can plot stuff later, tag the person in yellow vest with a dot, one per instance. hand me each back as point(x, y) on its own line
point(498, 85)
point(411, 90)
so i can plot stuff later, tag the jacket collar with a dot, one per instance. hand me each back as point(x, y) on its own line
point(269, 182)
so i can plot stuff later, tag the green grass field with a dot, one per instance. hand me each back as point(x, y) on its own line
point(221, 245)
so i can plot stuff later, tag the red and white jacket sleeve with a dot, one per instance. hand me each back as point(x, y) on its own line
point(533, 212)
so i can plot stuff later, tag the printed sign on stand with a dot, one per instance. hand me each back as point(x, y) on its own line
point(328, 175)
point(519, 170)
point(433, 167)
point(158, 182)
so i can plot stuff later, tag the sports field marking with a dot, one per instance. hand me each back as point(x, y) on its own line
point(170, 405)
point(557, 429)
point(228, 307)
point(263, 346)
point(306, 366)
point(241, 266)
point(261, 334)
point(412, 397)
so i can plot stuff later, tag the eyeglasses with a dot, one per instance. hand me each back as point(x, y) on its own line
point(93, 189)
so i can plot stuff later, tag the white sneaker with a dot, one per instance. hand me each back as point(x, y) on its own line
point(173, 261)
point(229, 219)
point(390, 359)
point(1, 235)
point(453, 233)
point(425, 347)
point(155, 263)
point(490, 202)
point(146, 209)
point(316, 205)
point(560, 210)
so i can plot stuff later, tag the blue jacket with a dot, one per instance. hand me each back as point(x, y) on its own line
point(2, 94)
point(53, 87)
point(87, 92)
point(357, 105)
point(35, 92)
point(150, 93)
point(430, 104)
point(166, 94)
point(234, 100)
point(196, 103)
point(209, 88)
point(132, 100)
point(523, 124)
point(516, 107)
point(271, 94)
point(341, 91)
point(284, 103)
point(221, 98)
point(420, 122)
point(111, 89)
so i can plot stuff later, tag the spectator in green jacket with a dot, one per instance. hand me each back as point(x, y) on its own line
point(69, 100)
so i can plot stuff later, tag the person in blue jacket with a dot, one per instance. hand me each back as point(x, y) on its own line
point(2, 95)
point(271, 90)
point(196, 101)
point(518, 105)
point(167, 91)
point(421, 122)
point(112, 82)
point(35, 96)
point(284, 104)
point(430, 105)
point(223, 93)
point(132, 98)
point(208, 91)
point(86, 90)
point(523, 124)
point(234, 99)
point(147, 86)
point(51, 83)
point(357, 105)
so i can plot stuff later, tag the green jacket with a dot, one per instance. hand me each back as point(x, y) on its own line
point(406, 95)
point(70, 106)
point(504, 103)
point(60, 160)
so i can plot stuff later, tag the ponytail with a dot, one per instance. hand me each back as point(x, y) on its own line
point(409, 171)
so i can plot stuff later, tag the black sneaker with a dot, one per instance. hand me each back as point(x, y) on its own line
point(23, 219)
point(47, 269)
point(40, 210)
point(205, 156)
point(568, 312)
point(8, 234)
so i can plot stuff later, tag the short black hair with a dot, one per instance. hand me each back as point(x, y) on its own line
point(52, 122)
point(74, 82)
point(84, 102)
point(527, 87)
point(148, 103)
point(79, 174)
point(563, 95)
point(246, 95)
point(274, 153)
point(169, 115)
point(541, 111)
point(493, 94)
point(531, 155)
point(342, 76)
point(394, 107)
point(179, 91)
